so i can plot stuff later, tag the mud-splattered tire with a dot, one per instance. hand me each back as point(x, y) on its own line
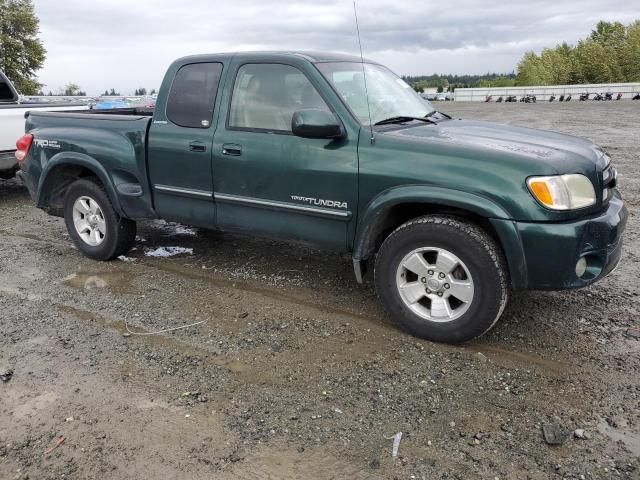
point(442, 278)
point(94, 226)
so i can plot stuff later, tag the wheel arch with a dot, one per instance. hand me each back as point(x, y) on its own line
point(396, 206)
point(61, 171)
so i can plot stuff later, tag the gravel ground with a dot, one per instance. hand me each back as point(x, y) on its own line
point(295, 372)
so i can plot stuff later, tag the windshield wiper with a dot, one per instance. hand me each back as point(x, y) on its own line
point(403, 119)
point(435, 112)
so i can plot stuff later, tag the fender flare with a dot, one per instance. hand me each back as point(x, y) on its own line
point(371, 222)
point(67, 159)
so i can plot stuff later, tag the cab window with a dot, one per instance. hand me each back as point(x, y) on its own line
point(265, 96)
point(193, 95)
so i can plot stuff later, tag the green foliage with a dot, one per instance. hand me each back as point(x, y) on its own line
point(451, 82)
point(22, 52)
point(72, 90)
point(111, 92)
point(611, 54)
point(141, 91)
point(498, 82)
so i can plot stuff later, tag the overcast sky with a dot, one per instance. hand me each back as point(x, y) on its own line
point(125, 44)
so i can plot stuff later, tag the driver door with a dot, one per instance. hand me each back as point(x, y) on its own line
point(270, 182)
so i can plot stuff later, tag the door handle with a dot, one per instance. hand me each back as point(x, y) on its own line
point(197, 147)
point(231, 149)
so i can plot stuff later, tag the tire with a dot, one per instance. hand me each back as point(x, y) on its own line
point(115, 235)
point(479, 279)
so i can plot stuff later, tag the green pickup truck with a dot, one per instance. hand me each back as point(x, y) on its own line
point(450, 215)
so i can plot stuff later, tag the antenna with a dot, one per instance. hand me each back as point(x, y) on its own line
point(364, 75)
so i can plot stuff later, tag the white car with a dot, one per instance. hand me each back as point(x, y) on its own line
point(12, 111)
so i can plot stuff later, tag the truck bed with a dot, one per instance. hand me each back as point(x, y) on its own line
point(111, 143)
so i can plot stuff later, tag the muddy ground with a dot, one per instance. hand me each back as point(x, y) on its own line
point(295, 372)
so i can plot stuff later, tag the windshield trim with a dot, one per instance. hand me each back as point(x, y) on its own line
point(336, 93)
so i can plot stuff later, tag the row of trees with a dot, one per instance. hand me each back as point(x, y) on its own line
point(72, 89)
point(138, 92)
point(611, 54)
point(451, 82)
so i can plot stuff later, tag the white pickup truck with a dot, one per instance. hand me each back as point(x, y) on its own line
point(12, 112)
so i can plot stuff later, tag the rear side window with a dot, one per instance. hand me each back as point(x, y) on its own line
point(193, 95)
point(6, 92)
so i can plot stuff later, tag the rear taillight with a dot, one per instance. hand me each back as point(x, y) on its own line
point(23, 145)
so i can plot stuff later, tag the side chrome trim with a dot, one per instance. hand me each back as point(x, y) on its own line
point(185, 192)
point(224, 197)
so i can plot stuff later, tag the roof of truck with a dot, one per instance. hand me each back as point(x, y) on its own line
point(315, 57)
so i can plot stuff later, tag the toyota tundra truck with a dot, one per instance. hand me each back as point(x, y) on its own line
point(449, 215)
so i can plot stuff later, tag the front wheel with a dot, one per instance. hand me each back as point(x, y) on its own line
point(442, 279)
point(94, 226)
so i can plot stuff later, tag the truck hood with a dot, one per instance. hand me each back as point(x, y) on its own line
point(563, 153)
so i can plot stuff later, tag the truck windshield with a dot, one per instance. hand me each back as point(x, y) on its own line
point(389, 95)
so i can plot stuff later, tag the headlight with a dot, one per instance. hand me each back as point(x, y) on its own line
point(563, 192)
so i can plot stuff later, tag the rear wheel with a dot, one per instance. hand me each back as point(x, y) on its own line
point(94, 226)
point(442, 278)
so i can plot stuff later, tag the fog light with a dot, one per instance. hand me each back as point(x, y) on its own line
point(581, 266)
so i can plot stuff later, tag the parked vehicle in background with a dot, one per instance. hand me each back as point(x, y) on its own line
point(511, 98)
point(561, 99)
point(636, 96)
point(568, 98)
point(429, 96)
point(598, 97)
point(584, 97)
point(499, 100)
point(608, 96)
point(146, 101)
point(12, 112)
point(488, 98)
point(529, 98)
point(618, 96)
point(111, 103)
point(552, 97)
point(444, 97)
point(450, 214)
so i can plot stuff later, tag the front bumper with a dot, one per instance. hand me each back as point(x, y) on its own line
point(552, 250)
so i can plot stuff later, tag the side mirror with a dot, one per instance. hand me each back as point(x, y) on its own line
point(314, 123)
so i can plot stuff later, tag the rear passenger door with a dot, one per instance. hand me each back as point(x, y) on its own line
point(180, 141)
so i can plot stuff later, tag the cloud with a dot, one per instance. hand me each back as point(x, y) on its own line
point(124, 44)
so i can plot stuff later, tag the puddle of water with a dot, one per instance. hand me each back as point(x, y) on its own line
point(629, 439)
point(285, 464)
point(269, 293)
point(117, 282)
point(245, 372)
